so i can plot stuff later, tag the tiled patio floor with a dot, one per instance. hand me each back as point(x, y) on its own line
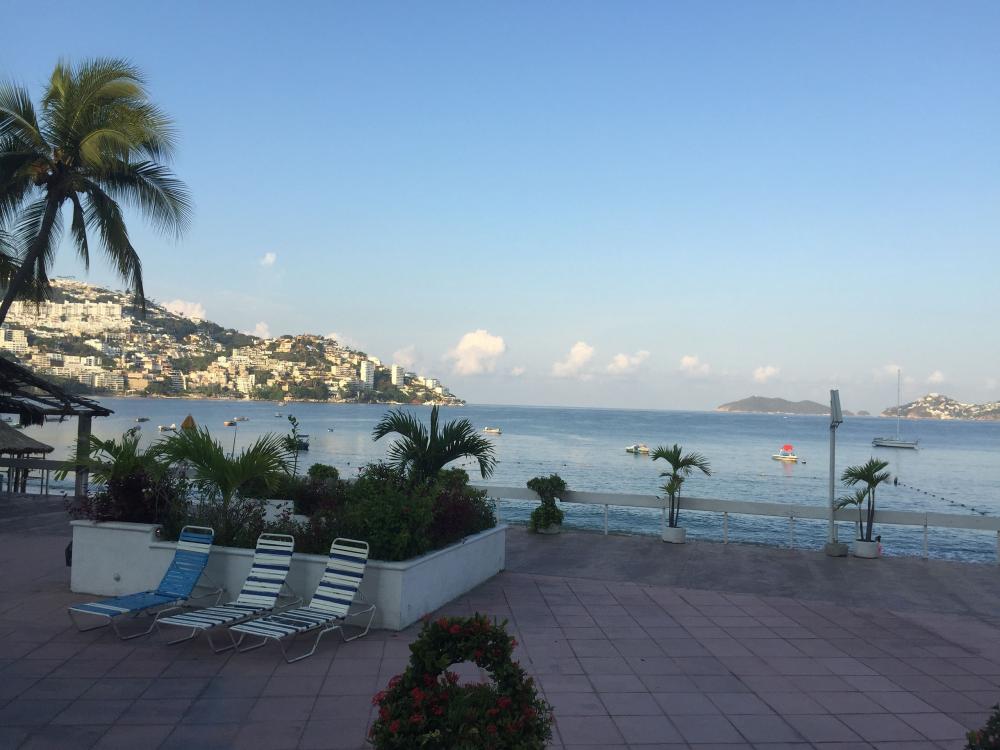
point(624, 665)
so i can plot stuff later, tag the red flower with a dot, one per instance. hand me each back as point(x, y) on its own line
point(455, 629)
point(513, 642)
point(478, 654)
point(443, 622)
point(492, 711)
point(428, 680)
point(395, 681)
point(438, 711)
point(491, 728)
point(379, 697)
point(394, 727)
point(383, 713)
point(416, 719)
point(418, 695)
point(504, 702)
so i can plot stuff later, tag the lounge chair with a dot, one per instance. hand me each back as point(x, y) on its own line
point(329, 609)
point(263, 585)
point(177, 586)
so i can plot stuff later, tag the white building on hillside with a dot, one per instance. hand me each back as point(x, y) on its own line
point(398, 375)
point(367, 374)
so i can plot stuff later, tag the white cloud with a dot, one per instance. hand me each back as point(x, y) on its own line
point(193, 310)
point(269, 259)
point(344, 340)
point(935, 377)
point(886, 371)
point(517, 371)
point(692, 365)
point(262, 330)
point(406, 357)
point(765, 372)
point(625, 363)
point(476, 353)
point(572, 367)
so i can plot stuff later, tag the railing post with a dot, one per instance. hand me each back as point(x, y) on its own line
point(791, 532)
point(605, 519)
point(725, 527)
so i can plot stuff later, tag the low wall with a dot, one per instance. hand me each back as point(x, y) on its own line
point(111, 559)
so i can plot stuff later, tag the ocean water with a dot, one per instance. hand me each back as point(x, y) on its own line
point(956, 469)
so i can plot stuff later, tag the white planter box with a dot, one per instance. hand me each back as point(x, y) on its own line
point(110, 559)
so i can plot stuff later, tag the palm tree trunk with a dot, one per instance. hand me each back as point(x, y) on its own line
point(27, 263)
point(871, 514)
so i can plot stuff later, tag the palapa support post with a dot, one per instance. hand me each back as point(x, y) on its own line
point(82, 438)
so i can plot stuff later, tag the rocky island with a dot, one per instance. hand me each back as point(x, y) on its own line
point(770, 405)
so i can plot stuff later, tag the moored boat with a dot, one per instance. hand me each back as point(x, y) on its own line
point(787, 454)
point(142, 419)
point(897, 441)
point(493, 430)
point(229, 423)
point(639, 449)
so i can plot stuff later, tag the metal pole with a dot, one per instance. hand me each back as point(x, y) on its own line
point(832, 531)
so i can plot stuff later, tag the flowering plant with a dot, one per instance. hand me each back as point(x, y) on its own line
point(425, 707)
point(987, 738)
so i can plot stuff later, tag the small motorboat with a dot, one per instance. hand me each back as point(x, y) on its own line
point(240, 419)
point(787, 454)
point(493, 430)
point(278, 414)
point(639, 449)
point(229, 423)
point(142, 419)
point(329, 429)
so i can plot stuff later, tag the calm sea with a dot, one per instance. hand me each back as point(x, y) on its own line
point(956, 470)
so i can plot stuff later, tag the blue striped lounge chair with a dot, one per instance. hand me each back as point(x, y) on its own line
point(177, 586)
point(328, 610)
point(259, 595)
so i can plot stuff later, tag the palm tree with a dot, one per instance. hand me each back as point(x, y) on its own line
point(220, 476)
point(857, 498)
point(681, 466)
point(423, 452)
point(95, 142)
point(110, 460)
point(872, 473)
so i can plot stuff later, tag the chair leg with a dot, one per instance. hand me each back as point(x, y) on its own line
point(310, 652)
point(184, 639)
point(371, 618)
point(76, 624)
point(152, 626)
point(237, 644)
point(220, 649)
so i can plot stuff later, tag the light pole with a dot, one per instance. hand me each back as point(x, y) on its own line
point(236, 427)
point(833, 547)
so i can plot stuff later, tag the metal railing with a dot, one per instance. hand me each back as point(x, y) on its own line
point(919, 519)
point(16, 474)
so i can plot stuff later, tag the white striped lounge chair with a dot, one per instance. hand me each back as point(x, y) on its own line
point(259, 595)
point(329, 609)
point(177, 586)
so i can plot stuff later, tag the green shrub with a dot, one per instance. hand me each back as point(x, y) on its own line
point(459, 510)
point(323, 472)
point(987, 738)
point(548, 489)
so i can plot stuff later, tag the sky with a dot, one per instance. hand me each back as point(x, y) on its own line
point(636, 205)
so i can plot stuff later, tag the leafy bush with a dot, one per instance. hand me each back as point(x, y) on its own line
point(426, 707)
point(323, 472)
point(136, 497)
point(459, 510)
point(548, 489)
point(987, 738)
point(236, 524)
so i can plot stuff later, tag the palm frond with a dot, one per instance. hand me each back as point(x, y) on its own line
point(105, 215)
point(152, 189)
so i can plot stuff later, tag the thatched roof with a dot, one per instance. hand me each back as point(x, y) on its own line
point(31, 397)
point(16, 443)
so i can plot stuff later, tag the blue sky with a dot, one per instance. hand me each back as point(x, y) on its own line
point(772, 198)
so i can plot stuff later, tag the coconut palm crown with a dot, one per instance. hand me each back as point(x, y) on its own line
point(422, 451)
point(681, 466)
point(96, 143)
point(871, 473)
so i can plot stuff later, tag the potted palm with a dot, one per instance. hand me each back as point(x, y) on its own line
point(870, 474)
point(547, 518)
point(421, 451)
point(681, 466)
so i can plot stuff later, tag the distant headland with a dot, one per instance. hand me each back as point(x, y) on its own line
point(769, 405)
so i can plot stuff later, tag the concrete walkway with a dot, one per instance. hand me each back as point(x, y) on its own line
point(635, 644)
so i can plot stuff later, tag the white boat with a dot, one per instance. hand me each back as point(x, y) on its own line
point(639, 449)
point(897, 441)
point(493, 430)
point(240, 419)
point(167, 428)
point(142, 419)
point(787, 454)
point(229, 423)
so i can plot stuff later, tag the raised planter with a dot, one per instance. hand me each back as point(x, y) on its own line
point(674, 534)
point(867, 550)
point(110, 559)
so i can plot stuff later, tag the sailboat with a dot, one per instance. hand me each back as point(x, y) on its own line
point(896, 442)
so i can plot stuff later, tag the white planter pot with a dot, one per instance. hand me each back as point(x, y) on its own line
point(111, 559)
point(551, 530)
point(673, 534)
point(867, 550)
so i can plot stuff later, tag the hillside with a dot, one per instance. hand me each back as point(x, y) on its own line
point(936, 406)
point(94, 339)
point(769, 405)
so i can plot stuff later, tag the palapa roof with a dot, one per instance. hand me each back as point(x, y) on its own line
point(17, 443)
point(32, 398)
